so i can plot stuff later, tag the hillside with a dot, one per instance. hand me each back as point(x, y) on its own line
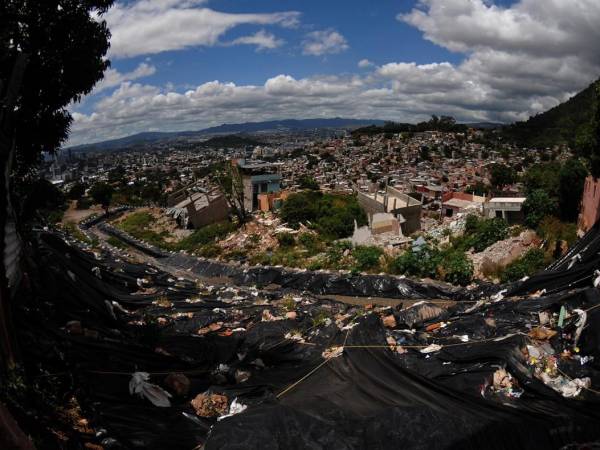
point(231, 141)
point(247, 127)
point(561, 124)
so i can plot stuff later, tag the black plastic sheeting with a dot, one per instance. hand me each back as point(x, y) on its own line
point(371, 396)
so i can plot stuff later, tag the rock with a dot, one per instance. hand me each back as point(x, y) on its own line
point(178, 384)
point(209, 405)
point(291, 315)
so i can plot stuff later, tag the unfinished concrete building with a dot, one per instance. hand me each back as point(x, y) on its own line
point(402, 206)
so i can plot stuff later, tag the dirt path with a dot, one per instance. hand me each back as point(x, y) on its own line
point(74, 215)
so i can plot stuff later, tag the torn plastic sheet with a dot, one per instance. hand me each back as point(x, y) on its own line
point(139, 385)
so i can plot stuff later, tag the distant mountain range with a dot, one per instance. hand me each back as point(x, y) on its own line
point(559, 125)
point(237, 128)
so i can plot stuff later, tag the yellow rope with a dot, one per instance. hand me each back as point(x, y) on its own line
point(293, 385)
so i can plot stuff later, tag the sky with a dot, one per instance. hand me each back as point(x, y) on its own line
point(189, 64)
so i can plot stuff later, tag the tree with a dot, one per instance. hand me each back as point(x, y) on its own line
point(65, 44)
point(228, 177)
point(307, 182)
point(537, 206)
point(572, 179)
point(77, 191)
point(51, 53)
point(543, 176)
point(502, 175)
point(102, 194)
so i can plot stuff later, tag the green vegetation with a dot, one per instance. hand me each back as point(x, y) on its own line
point(332, 216)
point(480, 233)
point(286, 239)
point(530, 263)
point(138, 224)
point(567, 123)
point(73, 230)
point(205, 236)
point(502, 175)
point(367, 257)
point(76, 191)
point(446, 264)
point(102, 194)
point(201, 241)
point(538, 206)
point(443, 123)
point(309, 183)
point(43, 202)
point(116, 242)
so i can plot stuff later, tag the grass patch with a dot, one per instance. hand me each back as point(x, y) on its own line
point(117, 243)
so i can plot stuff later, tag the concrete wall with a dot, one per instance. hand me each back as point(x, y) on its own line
point(412, 214)
point(216, 211)
point(590, 204)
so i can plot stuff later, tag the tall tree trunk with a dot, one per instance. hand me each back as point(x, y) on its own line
point(10, 245)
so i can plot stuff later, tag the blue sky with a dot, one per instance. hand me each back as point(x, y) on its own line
point(188, 64)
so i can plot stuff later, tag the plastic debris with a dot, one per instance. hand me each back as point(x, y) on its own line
point(236, 407)
point(431, 348)
point(139, 385)
point(333, 352)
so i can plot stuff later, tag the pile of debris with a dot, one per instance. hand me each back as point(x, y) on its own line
point(502, 253)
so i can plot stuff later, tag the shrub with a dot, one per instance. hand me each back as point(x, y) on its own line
point(286, 239)
point(331, 215)
point(367, 257)
point(205, 235)
point(530, 263)
point(421, 263)
point(450, 265)
point(553, 230)
point(481, 233)
point(209, 251)
point(537, 206)
point(335, 253)
point(456, 268)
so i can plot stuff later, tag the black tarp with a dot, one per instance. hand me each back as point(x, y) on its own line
point(139, 318)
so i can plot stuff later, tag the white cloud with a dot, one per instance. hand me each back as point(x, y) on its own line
point(113, 77)
point(154, 26)
point(364, 63)
point(318, 43)
point(518, 61)
point(262, 39)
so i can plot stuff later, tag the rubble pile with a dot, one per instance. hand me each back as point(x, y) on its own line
point(502, 253)
point(257, 235)
point(191, 364)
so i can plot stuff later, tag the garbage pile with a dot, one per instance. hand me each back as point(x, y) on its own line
point(170, 362)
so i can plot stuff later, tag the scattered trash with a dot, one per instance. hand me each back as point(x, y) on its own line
point(139, 385)
point(333, 352)
point(431, 348)
point(236, 407)
point(209, 405)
